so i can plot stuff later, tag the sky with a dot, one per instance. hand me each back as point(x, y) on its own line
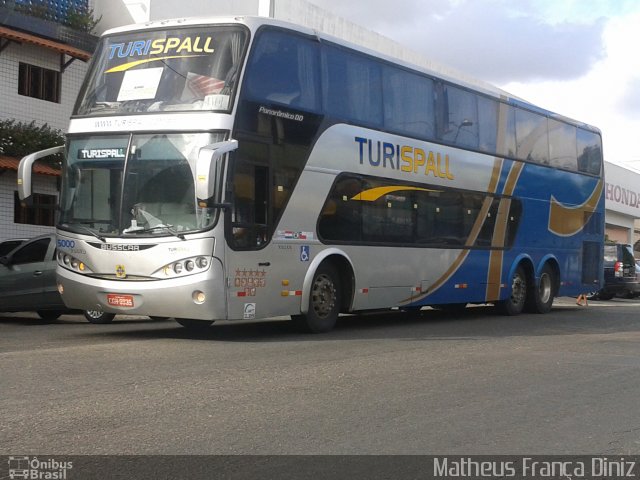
point(578, 58)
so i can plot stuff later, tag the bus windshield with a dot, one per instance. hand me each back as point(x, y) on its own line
point(135, 184)
point(154, 71)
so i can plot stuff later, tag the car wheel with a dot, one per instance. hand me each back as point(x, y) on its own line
point(195, 325)
point(49, 315)
point(514, 304)
point(98, 316)
point(324, 301)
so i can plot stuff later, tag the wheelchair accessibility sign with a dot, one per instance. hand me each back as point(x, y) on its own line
point(304, 253)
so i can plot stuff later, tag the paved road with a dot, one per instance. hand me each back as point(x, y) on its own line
point(471, 383)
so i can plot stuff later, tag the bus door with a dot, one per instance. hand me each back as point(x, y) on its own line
point(248, 264)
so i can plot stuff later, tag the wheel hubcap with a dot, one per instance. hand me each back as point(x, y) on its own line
point(323, 296)
point(544, 290)
point(518, 290)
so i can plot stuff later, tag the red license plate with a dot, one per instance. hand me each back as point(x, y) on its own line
point(117, 300)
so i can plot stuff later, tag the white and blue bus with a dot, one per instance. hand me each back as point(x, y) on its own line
point(241, 168)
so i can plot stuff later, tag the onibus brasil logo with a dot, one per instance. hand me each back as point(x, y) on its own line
point(24, 467)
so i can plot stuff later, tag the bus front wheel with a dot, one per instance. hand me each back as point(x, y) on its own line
point(514, 304)
point(324, 301)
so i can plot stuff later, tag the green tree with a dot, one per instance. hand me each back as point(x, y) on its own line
point(18, 139)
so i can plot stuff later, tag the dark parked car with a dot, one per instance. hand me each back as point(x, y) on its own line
point(620, 277)
point(28, 281)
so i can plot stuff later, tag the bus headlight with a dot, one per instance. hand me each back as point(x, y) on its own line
point(72, 263)
point(187, 266)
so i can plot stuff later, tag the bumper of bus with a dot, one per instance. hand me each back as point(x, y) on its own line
point(177, 297)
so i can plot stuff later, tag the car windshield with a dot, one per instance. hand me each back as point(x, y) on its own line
point(133, 185)
point(153, 71)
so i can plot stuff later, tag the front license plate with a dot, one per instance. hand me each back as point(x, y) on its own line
point(117, 300)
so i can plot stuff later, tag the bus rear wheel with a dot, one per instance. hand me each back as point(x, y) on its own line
point(324, 301)
point(540, 298)
point(514, 304)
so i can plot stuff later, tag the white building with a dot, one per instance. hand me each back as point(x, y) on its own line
point(42, 65)
point(622, 202)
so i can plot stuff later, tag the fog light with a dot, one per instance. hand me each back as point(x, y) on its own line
point(60, 289)
point(199, 297)
point(177, 267)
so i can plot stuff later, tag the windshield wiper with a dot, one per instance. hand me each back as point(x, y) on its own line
point(88, 230)
point(168, 228)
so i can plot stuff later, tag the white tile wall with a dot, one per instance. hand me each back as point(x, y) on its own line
point(9, 229)
point(26, 109)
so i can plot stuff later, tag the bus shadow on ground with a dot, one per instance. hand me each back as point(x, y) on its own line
point(474, 322)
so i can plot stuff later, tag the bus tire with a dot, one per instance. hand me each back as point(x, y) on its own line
point(195, 325)
point(514, 304)
point(98, 316)
point(540, 297)
point(324, 301)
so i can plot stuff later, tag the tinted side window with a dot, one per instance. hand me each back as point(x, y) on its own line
point(408, 102)
point(341, 217)
point(284, 69)
point(378, 211)
point(352, 86)
point(488, 124)
point(531, 137)
point(589, 152)
point(32, 252)
point(457, 116)
point(562, 145)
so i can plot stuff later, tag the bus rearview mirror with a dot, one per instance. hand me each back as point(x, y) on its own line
point(24, 171)
point(206, 166)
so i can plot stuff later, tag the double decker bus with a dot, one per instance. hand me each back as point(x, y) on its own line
point(243, 168)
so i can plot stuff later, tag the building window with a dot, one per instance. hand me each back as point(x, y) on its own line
point(41, 212)
point(38, 82)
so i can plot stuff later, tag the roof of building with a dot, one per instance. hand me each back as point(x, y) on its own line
point(20, 37)
point(10, 163)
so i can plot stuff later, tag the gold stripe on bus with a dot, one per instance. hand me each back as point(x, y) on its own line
point(373, 194)
point(566, 221)
point(496, 257)
point(127, 66)
point(512, 178)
